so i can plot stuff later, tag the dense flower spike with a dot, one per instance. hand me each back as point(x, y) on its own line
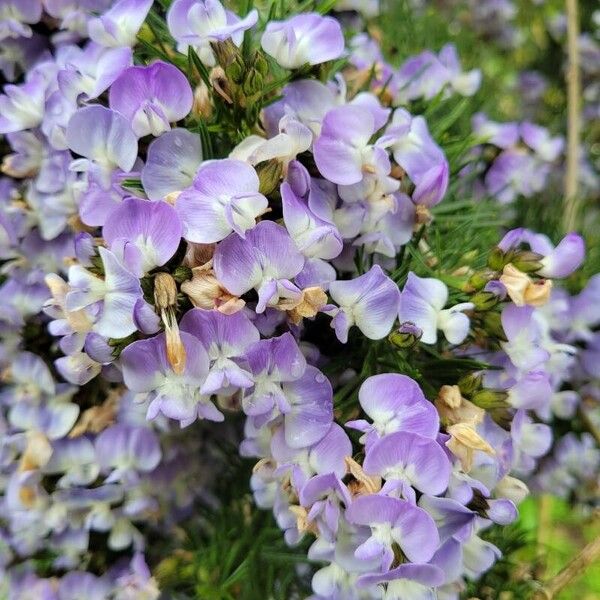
point(205, 214)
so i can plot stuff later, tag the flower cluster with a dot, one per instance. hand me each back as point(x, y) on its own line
point(191, 236)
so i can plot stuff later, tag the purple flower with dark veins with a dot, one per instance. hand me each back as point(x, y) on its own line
point(152, 97)
point(224, 197)
point(307, 38)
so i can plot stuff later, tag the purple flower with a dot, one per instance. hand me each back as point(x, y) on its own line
point(225, 338)
point(198, 23)
point(90, 71)
point(408, 459)
point(314, 236)
point(529, 441)
point(119, 25)
point(265, 260)
point(113, 298)
point(102, 136)
point(452, 519)
point(146, 368)
point(342, 152)
point(171, 163)
point(122, 449)
point(533, 391)
point(557, 262)
point(223, 198)
point(417, 153)
point(323, 495)
point(151, 97)
point(422, 303)
point(272, 362)
point(414, 581)
point(143, 234)
point(503, 135)
point(326, 456)
point(17, 15)
point(370, 302)
point(539, 140)
point(421, 76)
point(465, 83)
point(303, 39)
point(22, 106)
point(393, 521)
point(79, 584)
point(523, 345)
point(515, 172)
point(293, 139)
point(395, 403)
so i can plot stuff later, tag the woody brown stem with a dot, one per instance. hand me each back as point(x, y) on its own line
point(573, 117)
point(589, 555)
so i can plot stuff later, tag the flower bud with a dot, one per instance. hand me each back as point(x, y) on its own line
point(182, 273)
point(489, 399)
point(492, 323)
point(269, 175)
point(484, 301)
point(406, 336)
point(253, 83)
point(165, 291)
point(226, 52)
point(236, 70)
point(261, 64)
point(527, 261)
point(497, 259)
point(464, 441)
point(203, 106)
point(470, 383)
point(479, 279)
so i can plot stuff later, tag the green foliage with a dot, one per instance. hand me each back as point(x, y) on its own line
point(231, 550)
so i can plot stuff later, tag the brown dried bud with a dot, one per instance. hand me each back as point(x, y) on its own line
point(220, 84)
point(313, 299)
point(203, 106)
point(463, 443)
point(364, 484)
point(165, 291)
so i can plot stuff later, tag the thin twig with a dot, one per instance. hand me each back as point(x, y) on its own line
point(573, 117)
point(589, 555)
